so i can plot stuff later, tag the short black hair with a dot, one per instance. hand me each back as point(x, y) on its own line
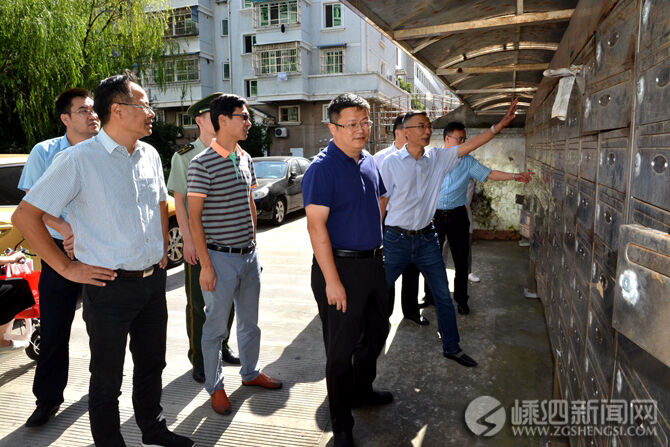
point(451, 126)
point(344, 101)
point(224, 105)
point(110, 90)
point(413, 113)
point(398, 122)
point(64, 100)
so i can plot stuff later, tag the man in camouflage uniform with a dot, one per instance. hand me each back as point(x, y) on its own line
point(195, 312)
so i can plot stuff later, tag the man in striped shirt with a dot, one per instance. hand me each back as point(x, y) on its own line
point(223, 226)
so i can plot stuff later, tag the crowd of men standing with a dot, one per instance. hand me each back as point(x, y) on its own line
point(366, 217)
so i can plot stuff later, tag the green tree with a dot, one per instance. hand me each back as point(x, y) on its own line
point(164, 138)
point(259, 140)
point(49, 45)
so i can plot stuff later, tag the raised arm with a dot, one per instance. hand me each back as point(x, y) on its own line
point(317, 216)
point(522, 177)
point(485, 137)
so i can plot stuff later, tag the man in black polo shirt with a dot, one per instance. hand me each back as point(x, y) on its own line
point(341, 191)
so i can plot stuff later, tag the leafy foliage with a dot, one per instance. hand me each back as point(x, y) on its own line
point(164, 138)
point(407, 86)
point(259, 140)
point(47, 46)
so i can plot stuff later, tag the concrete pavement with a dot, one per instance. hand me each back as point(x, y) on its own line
point(505, 332)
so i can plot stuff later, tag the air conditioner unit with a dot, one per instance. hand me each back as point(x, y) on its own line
point(281, 132)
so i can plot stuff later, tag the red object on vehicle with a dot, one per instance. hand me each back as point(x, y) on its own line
point(33, 279)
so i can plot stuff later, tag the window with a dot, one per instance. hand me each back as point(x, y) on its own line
point(176, 70)
point(224, 27)
point(248, 44)
point(276, 58)
point(333, 15)
point(251, 87)
point(9, 178)
point(185, 120)
point(294, 168)
point(187, 70)
point(289, 114)
point(276, 13)
point(183, 22)
point(332, 60)
point(226, 70)
point(247, 4)
point(382, 68)
point(324, 114)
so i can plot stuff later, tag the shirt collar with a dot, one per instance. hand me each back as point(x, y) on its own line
point(109, 144)
point(222, 151)
point(64, 142)
point(339, 153)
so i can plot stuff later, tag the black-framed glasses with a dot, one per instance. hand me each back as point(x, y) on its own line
point(459, 139)
point(84, 111)
point(421, 126)
point(353, 127)
point(147, 109)
point(244, 116)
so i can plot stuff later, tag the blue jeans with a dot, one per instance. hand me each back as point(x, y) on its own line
point(423, 250)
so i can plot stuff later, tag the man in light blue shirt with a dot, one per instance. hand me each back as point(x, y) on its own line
point(410, 277)
point(412, 177)
point(451, 217)
point(58, 296)
point(113, 188)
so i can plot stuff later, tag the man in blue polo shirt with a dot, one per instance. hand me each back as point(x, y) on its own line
point(451, 217)
point(58, 296)
point(341, 191)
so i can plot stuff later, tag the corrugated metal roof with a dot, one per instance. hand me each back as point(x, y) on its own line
point(486, 51)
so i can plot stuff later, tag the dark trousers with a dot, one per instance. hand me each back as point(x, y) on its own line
point(135, 307)
point(354, 338)
point(58, 302)
point(409, 292)
point(195, 314)
point(454, 227)
point(15, 296)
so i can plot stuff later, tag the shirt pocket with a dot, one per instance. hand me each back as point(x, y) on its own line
point(148, 191)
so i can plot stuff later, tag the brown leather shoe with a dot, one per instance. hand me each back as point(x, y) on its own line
point(220, 402)
point(265, 381)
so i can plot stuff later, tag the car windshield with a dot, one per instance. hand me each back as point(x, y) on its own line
point(9, 178)
point(270, 169)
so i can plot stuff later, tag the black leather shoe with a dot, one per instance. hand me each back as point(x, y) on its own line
point(418, 319)
point(425, 302)
point(166, 438)
point(228, 356)
point(374, 399)
point(198, 374)
point(42, 414)
point(463, 308)
point(462, 358)
point(343, 439)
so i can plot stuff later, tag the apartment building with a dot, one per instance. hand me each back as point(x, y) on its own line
point(289, 58)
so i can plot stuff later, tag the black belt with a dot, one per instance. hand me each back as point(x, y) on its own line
point(425, 230)
point(450, 212)
point(136, 273)
point(233, 250)
point(358, 254)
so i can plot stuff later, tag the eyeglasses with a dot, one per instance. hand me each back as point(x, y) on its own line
point(353, 127)
point(244, 116)
point(84, 112)
point(421, 126)
point(459, 139)
point(147, 109)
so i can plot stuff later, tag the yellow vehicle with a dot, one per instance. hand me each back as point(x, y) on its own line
point(11, 166)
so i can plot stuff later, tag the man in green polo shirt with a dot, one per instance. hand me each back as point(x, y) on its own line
point(195, 313)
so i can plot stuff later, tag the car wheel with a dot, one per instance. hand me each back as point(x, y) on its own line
point(279, 212)
point(175, 251)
